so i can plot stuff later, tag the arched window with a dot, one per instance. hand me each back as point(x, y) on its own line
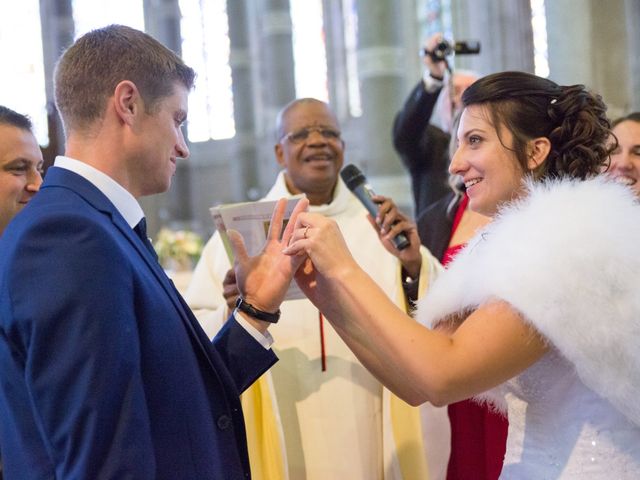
point(205, 48)
point(350, 15)
point(539, 24)
point(89, 14)
point(309, 49)
point(22, 86)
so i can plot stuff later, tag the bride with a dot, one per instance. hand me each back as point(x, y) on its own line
point(540, 313)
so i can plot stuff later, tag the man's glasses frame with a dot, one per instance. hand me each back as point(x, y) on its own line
point(299, 136)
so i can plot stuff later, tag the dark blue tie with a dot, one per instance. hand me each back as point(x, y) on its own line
point(141, 231)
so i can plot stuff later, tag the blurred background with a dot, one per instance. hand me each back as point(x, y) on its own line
point(362, 56)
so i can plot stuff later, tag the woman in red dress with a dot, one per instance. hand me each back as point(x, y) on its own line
point(478, 434)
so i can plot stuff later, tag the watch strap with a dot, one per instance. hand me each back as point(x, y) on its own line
point(249, 309)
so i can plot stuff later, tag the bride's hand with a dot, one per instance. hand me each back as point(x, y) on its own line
point(319, 238)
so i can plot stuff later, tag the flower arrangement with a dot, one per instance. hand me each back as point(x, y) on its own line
point(178, 249)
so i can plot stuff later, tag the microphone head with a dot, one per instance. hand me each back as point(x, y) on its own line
point(352, 176)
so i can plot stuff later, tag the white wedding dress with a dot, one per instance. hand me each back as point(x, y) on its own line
point(567, 258)
point(559, 428)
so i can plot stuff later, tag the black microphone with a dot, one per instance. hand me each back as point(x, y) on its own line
point(357, 183)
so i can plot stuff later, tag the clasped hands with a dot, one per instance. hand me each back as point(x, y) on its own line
point(310, 249)
point(263, 279)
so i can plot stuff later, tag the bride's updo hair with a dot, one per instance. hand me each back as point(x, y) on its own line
point(572, 118)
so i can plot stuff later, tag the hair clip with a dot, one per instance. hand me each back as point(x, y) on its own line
point(553, 101)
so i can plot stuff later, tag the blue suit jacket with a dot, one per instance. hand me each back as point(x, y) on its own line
point(104, 371)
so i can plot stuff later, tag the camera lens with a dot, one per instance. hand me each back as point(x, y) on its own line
point(440, 51)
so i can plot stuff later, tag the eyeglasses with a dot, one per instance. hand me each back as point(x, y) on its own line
point(302, 135)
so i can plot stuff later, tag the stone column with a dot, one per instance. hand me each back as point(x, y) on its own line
point(588, 44)
point(244, 100)
point(336, 58)
point(569, 38)
point(273, 48)
point(381, 70)
point(173, 208)
point(632, 16)
point(57, 34)
point(504, 30)
point(162, 21)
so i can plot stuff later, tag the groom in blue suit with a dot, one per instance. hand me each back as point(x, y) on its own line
point(104, 371)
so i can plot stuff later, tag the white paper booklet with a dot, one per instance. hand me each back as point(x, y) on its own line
point(252, 220)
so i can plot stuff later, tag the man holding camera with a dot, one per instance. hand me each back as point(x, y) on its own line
point(421, 131)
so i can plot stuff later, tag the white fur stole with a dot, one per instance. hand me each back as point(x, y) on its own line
point(567, 257)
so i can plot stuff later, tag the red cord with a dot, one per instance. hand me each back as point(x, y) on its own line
point(323, 355)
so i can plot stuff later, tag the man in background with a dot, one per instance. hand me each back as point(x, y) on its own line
point(319, 414)
point(20, 167)
point(20, 164)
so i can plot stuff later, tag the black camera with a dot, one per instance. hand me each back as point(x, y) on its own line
point(444, 48)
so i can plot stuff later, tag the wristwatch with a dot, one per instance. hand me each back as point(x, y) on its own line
point(249, 309)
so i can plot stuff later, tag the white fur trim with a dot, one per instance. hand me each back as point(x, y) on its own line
point(566, 256)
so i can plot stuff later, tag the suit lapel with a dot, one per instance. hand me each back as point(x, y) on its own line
point(189, 321)
point(58, 177)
